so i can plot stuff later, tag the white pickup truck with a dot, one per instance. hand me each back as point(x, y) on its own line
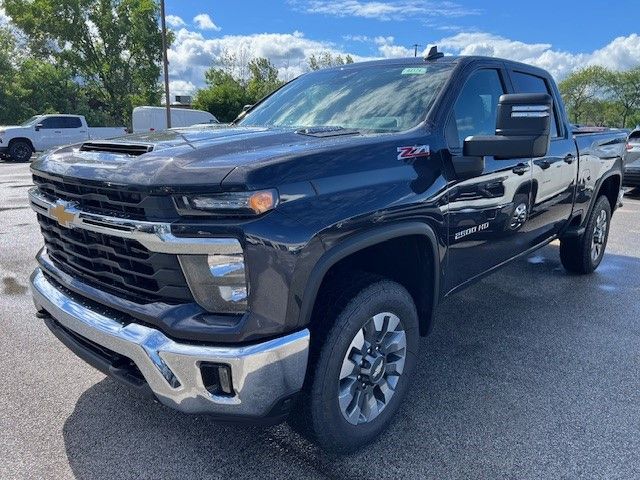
point(44, 132)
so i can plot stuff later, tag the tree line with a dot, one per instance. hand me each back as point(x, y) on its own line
point(597, 96)
point(101, 58)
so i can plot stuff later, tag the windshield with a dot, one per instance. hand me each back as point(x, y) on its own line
point(381, 98)
point(31, 121)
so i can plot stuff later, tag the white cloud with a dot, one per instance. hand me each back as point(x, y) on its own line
point(192, 54)
point(357, 38)
point(385, 10)
point(204, 22)
point(620, 54)
point(174, 21)
point(181, 87)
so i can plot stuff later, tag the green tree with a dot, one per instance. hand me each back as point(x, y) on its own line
point(11, 107)
point(224, 96)
point(327, 60)
point(624, 89)
point(582, 87)
point(114, 46)
point(263, 79)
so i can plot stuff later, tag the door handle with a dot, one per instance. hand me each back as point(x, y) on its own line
point(543, 164)
point(569, 158)
point(520, 169)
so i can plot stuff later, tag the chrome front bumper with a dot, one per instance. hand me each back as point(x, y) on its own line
point(262, 374)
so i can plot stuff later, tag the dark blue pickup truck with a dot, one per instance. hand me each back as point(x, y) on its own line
point(287, 264)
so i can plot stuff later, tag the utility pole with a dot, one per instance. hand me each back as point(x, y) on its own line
point(165, 61)
point(415, 49)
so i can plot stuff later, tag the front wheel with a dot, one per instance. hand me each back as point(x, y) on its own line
point(20, 151)
point(363, 367)
point(582, 255)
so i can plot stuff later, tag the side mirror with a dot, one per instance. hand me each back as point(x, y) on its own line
point(522, 129)
point(39, 127)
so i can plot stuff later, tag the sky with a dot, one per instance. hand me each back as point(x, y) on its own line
point(560, 35)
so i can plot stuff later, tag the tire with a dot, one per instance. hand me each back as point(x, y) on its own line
point(356, 319)
point(520, 213)
point(20, 151)
point(582, 255)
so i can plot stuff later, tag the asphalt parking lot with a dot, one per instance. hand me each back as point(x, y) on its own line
point(531, 373)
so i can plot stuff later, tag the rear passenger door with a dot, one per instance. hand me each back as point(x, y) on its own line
point(555, 175)
point(74, 131)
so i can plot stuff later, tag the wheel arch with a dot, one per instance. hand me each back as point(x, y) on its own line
point(21, 139)
point(610, 185)
point(360, 244)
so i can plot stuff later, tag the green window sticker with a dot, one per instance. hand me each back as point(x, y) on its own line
point(414, 71)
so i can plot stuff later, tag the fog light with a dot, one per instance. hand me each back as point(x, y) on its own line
point(217, 281)
point(217, 378)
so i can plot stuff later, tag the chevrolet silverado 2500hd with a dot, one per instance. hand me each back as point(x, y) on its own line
point(287, 265)
point(43, 132)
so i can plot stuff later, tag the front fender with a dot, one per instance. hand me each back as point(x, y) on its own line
point(304, 293)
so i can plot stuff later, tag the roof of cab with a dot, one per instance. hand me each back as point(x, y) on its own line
point(446, 60)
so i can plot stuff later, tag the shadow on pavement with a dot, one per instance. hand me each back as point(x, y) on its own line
point(530, 373)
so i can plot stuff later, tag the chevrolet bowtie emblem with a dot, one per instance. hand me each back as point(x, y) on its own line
point(64, 217)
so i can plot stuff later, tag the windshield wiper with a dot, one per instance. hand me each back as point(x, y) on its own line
point(327, 131)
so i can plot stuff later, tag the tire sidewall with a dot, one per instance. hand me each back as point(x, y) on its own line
point(328, 421)
point(601, 205)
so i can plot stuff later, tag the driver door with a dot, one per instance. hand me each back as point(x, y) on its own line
point(487, 214)
point(51, 133)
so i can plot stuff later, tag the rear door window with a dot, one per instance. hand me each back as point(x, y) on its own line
point(526, 83)
point(72, 122)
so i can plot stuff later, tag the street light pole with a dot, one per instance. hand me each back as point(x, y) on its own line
point(165, 61)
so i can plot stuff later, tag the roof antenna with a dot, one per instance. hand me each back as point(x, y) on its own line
point(434, 54)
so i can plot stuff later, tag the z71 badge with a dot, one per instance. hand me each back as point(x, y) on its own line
point(409, 153)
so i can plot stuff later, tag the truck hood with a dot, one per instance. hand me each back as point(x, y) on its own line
point(189, 156)
point(12, 128)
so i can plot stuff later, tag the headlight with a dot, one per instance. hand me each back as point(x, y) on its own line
point(228, 203)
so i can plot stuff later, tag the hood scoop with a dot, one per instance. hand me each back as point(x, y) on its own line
point(131, 149)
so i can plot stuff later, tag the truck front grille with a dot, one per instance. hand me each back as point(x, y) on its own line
point(112, 202)
point(116, 265)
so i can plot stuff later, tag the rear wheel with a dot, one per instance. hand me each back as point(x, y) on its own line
point(20, 151)
point(362, 369)
point(582, 255)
